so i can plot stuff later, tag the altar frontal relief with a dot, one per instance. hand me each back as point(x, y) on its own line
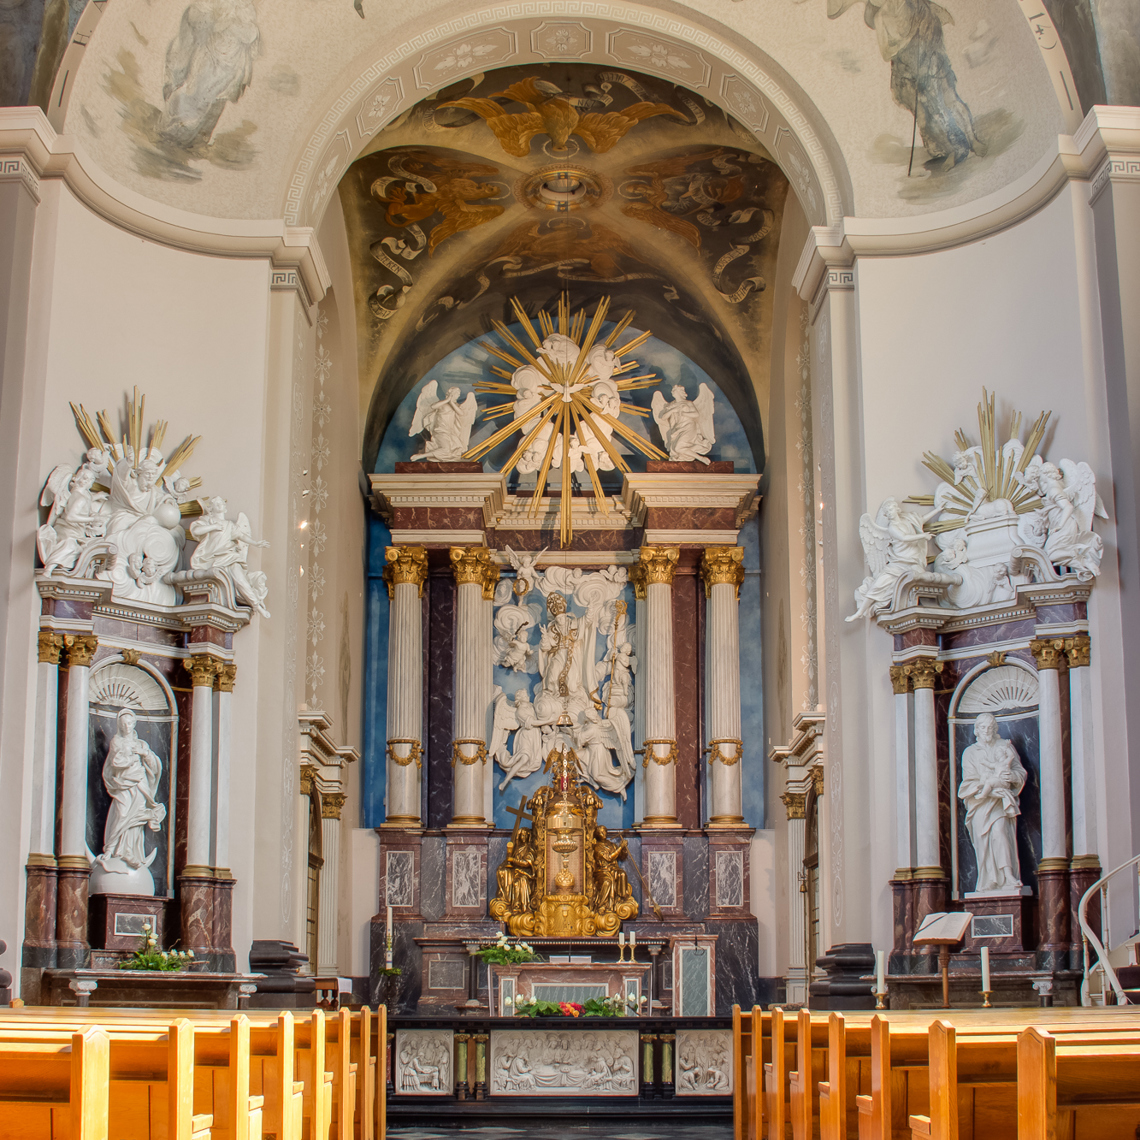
point(553, 1063)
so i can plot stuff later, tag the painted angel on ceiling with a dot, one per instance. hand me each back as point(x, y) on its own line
point(447, 423)
point(686, 425)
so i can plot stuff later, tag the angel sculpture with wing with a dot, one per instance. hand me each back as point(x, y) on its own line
point(527, 574)
point(686, 425)
point(513, 649)
point(896, 547)
point(447, 422)
point(516, 715)
point(1070, 502)
point(77, 515)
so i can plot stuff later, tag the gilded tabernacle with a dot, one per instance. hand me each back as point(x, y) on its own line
point(562, 875)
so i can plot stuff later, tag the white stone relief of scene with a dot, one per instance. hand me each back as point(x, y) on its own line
point(663, 877)
point(556, 636)
point(729, 878)
point(466, 878)
point(551, 1063)
point(423, 1061)
point(704, 1062)
point(398, 878)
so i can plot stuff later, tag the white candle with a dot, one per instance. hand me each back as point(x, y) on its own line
point(389, 926)
point(632, 939)
point(388, 943)
point(881, 972)
point(621, 939)
point(986, 969)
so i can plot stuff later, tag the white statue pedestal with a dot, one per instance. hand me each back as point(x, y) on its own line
point(119, 878)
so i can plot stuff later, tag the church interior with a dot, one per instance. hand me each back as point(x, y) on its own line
point(525, 514)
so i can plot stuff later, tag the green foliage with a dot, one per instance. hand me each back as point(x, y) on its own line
point(505, 953)
point(593, 1007)
point(149, 957)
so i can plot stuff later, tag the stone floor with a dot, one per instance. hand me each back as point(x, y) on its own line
point(571, 1132)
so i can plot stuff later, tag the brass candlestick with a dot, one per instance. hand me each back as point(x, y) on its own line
point(880, 999)
point(986, 1004)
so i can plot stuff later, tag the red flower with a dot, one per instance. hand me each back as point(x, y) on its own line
point(570, 1008)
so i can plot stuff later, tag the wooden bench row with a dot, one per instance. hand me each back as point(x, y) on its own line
point(140, 1075)
point(863, 1077)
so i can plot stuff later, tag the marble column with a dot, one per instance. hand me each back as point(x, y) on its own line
point(1053, 869)
point(659, 563)
point(904, 793)
point(42, 885)
point(1078, 649)
point(405, 574)
point(223, 698)
point(722, 568)
point(475, 578)
point(923, 673)
point(331, 806)
point(196, 882)
point(637, 579)
point(74, 868)
point(799, 969)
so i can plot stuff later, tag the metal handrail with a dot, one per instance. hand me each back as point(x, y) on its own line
point(1087, 936)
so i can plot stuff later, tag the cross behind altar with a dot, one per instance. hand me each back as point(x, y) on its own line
point(521, 814)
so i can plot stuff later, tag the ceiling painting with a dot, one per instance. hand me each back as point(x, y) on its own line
point(530, 181)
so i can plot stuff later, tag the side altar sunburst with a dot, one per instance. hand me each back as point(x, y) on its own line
point(566, 400)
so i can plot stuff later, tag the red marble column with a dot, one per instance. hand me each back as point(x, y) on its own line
point(71, 913)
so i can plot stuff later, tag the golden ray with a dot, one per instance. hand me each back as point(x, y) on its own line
point(544, 470)
point(619, 328)
point(637, 342)
point(520, 451)
point(492, 441)
point(628, 434)
point(600, 436)
point(524, 320)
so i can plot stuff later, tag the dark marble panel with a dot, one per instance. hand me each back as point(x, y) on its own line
point(197, 915)
point(183, 699)
point(224, 958)
point(203, 636)
point(737, 952)
point(496, 853)
point(987, 634)
point(695, 861)
point(634, 845)
point(675, 467)
point(1062, 614)
point(437, 518)
point(433, 876)
point(1053, 910)
point(600, 540)
point(406, 955)
point(39, 915)
point(426, 467)
point(71, 917)
point(914, 638)
point(440, 688)
point(686, 673)
point(690, 518)
point(68, 608)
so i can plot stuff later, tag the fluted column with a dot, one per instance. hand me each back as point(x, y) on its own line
point(637, 579)
point(475, 578)
point(799, 969)
point(658, 565)
point(904, 793)
point(74, 867)
point(1078, 649)
point(1048, 653)
point(331, 806)
point(46, 746)
point(405, 574)
point(202, 669)
point(722, 568)
point(923, 673)
point(223, 697)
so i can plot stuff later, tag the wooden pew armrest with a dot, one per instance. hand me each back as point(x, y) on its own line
point(201, 1126)
point(919, 1127)
point(864, 1105)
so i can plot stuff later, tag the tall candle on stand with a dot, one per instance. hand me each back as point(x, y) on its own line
point(985, 969)
point(881, 972)
point(388, 943)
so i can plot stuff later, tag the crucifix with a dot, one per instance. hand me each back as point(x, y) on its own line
point(520, 813)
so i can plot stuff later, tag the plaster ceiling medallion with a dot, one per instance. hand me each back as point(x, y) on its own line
point(566, 398)
point(564, 187)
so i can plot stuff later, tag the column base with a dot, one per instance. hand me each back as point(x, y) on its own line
point(1053, 914)
point(468, 823)
point(197, 911)
point(402, 823)
point(734, 822)
point(73, 879)
point(659, 822)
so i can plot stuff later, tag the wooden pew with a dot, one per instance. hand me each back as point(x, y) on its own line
point(53, 1089)
point(803, 1083)
point(741, 1049)
point(848, 1074)
point(1063, 1082)
point(775, 1095)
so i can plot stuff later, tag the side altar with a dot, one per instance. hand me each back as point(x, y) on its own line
point(565, 587)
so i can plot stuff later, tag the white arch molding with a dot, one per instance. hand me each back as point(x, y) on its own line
point(746, 84)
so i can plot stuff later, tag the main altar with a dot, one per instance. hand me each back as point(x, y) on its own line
point(564, 584)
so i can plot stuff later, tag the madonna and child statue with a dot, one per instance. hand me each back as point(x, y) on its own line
point(561, 876)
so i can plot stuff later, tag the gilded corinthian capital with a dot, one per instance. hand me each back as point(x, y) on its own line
point(405, 564)
point(1047, 652)
point(474, 565)
point(203, 668)
point(659, 564)
point(722, 565)
point(80, 648)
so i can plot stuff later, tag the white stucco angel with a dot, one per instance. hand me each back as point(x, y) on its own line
point(516, 714)
point(77, 515)
point(1069, 504)
point(224, 545)
point(597, 742)
point(686, 425)
point(512, 645)
point(895, 546)
point(447, 423)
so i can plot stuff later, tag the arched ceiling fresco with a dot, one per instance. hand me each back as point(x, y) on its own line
point(534, 180)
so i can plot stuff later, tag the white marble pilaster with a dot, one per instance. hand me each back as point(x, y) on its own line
point(46, 745)
point(656, 568)
point(80, 649)
point(1047, 652)
point(405, 574)
point(798, 975)
point(640, 648)
point(203, 668)
point(722, 568)
point(475, 577)
point(327, 957)
point(1081, 747)
point(923, 673)
point(904, 794)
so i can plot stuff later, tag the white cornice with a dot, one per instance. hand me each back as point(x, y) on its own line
point(666, 489)
point(439, 490)
point(26, 134)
